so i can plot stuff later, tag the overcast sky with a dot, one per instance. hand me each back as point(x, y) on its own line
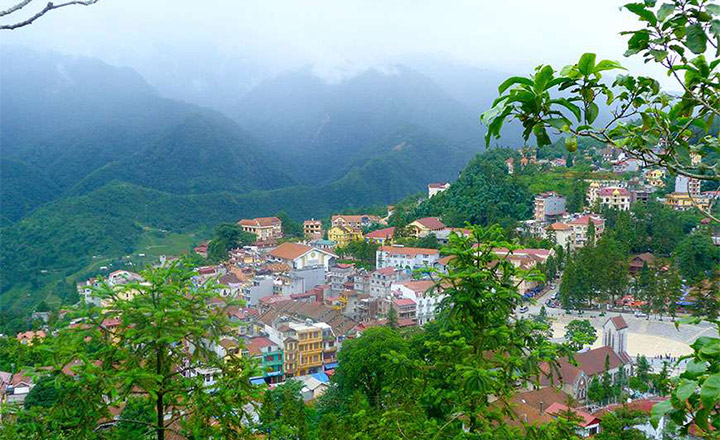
point(336, 37)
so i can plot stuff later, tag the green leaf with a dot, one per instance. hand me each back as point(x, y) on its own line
point(695, 39)
point(542, 78)
point(715, 27)
point(514, 80)
point(685, 389)
point(713, 9)
point(608, 65)
point(711, 348)
point(658, 55)
point(658, 412)
point(640, 10)
point(710, 391)
point(558, 123)
point(639, 41)
point(586, 65)
point(695, 368)
point(568, 105)
point(664, 12)
point(592, 113)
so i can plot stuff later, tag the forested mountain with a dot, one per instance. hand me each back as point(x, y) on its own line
point(93, 158)
point(323, 129)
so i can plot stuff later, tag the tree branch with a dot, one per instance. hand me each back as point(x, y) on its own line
point(49, 7)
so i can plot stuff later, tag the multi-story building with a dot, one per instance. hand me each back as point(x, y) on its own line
point(405, 308)
point(264, 228)
point(655, 178)
point(269, 355)
point(561, 234)
point(595, 186)
point(382, 279)
point(354, 221)
point(300, 256)
point(408, 258)
point(425, 296)
point(437, 188)
point(381, 236)
point(580, 229)
point(684, 184)
point(303, 348)
point(313, 229)
point(684, 201)
point(343, 235)
point(423, 227)
point(548, 205)
point(615, 198)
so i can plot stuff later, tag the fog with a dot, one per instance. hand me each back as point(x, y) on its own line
point(186, 47)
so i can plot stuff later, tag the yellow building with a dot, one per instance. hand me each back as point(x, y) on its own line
point(683, 202)
point(303, 349)
point(343, 235)
point(655, 178)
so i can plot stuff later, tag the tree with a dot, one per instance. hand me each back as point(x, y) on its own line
point(620, 425)
point(579, 333)
point(290, 228)
point(18, 22)
point(44, 394)
point(595, 393)
point(283, 414)
point(696, 256)
point(677, 36)
point(227, 236)
point(161, 345)
point(392, 318)
point(576, 199)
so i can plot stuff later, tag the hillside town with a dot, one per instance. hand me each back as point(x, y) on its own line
point(303, 297)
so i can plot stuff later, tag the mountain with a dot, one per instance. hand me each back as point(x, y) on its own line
point(199, 155)
point(324, 128)
point(23, 188)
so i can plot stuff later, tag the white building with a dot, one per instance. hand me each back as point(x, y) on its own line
point(436, 188)
point(409, 258)
point(426, 298)
point(615, 198)
point(300, 256)
point(547, 205)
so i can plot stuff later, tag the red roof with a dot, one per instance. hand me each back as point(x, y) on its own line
point(431, 223)
point(402, 250)
point(438, 185)
point(420, 287)
point(611, 191)
point(260, 221)
point(587, 419)
point(584, 220)
point(619, 322)
point(290, 251)
point(559, 227)
point(386, 271)
point(255, 345)
point(382, 233)
point(404, 302)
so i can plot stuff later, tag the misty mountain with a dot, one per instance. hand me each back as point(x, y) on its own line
point(324, 128)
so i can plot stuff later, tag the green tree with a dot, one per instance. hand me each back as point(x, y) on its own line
point(579, 333)
point(696, 256)
point(676, 36)
point(283, 414)
point(392, 318)
point(44, 393)
point(595, 392)
point(621, 425)
point(290, 228)
point(576, 199)
point(227, 236)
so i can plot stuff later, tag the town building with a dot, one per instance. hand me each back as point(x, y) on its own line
point(655, 177)
point(425, 226)
point(300, 256)
point(425, 295)
point(355, 221)
point(381, 236)
point(580, 229)
point(408, 258)
point(614, 198)
point(313, 229)
point(685, 201)
point(264, 228)
point(548, 205)
point(405, 308)
point(437, 188)
point(343, 235)
point(269, 355)
point(381, 280)
point(561, 234)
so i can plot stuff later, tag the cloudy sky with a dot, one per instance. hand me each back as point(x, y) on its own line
point(335, 37)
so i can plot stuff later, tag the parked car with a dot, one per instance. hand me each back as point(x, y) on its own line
point(523, 309)
point(639, 314)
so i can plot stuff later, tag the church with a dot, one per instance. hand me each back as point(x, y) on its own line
point(575, 379)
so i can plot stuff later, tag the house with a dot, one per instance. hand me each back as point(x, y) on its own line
point(655, 177)
point(560, 233)
point(354, 221)
point(575, 379)
point(382, 279)
point(629, 165)
point(269, 356)
point(615, 198)
point(644, 406)
point(638, 261)
point(202, 249)
point(303, 349)
point(343, 235)
point(29, 336)
point(313, 385)
point(588, 424)
point(580, 229)
point(685, 201)
point(14, 388)
point(548, 205)
point(426, 296)
point(299, 256)
point(264, 228)
point(443, 235)
point(408, 258)
point(381, 236)
point(510, 163)
point(425, 226)
point(405, 308)
point(684, 184)
point(437, 188)
point(313, 229)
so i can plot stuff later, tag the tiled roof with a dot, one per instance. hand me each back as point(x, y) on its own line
point(559, 227)
point(254, 345)
point(438, 185)
point(587, 419)
point(584, 220)
point(386, 271)
point(592, 362)
point(419, 286)
point(431, 223)
point(381, 233)
point(402, 250)
point(613, 191)
point(290, 251)
point(316, 311)
point(619, 322)
point(403, 302)
point(541, 398)
point(260, 221)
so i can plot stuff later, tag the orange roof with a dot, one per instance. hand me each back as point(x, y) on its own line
point(619, 322)
point(289, 251)
point(419, 286)
point(559, 227)
point(260, 221)
point(431, 223)
point(381, 233)
point(438, 185)
point(255, 344)
point(402, 250)
point(584, 220)
point(587, 419)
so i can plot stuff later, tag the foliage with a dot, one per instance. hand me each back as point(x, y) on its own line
point(579, 333)
point(620, 425)
point(675, 36)
point(227, 236)
point(283, 414)
point(290, 228)
point(361, 250)
point(696, 256)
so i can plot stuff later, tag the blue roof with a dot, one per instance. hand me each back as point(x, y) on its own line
point(326, 242)
point(257, 381)
point(331, 366)
point(322, 377)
